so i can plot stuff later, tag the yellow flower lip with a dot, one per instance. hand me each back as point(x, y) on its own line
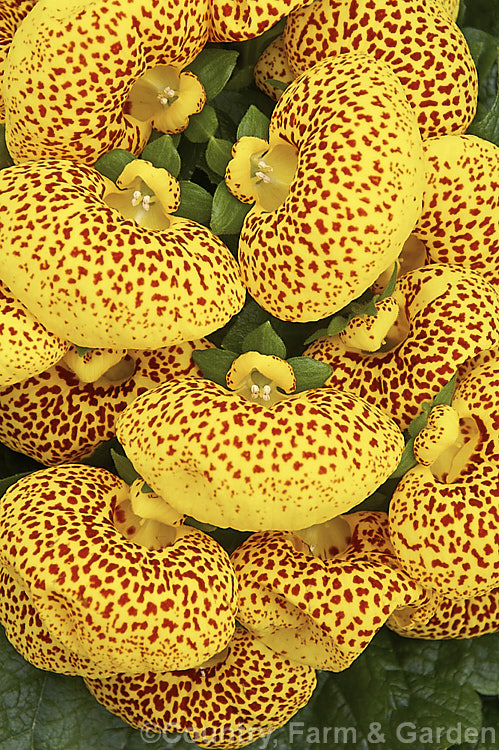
point(117, 606)
point(325, 450)
point(440, 434)
point(442, 524)
point(74, 417)
point(322, 612)
point(441, 84)
point(276, 371)
point(252, 680)
point(26, 346)
point(347, 190)
point(439, 306)
point(110, 282)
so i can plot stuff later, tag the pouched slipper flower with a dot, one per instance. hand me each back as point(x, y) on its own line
point(447, 316)
point(57, 416)
point(444, 523)
point(258, 458)
point(26, 347)
point(319, 607)
point(70, 74)
point(460, 219)
point(128, 276)
point(272, 65)
point(237, 20)
point(246, 693)
point(461, 618)
point(338, 188)
point(12, 13)
point(417, 39)
point(122, 606)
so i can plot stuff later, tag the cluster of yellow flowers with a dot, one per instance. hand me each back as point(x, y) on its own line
point(366, 185)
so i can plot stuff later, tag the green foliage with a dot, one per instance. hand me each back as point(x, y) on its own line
point(214, 364)
point(309, 373)
point(213, 66)
point(112, 164)
point(485, 50)
point(82, 350)
point(264, 340)
point(218, 154)
point(254, 123)
point(5, 157)
point(203, 126)
point(227, 213)
point(124, 467)
point(162, 153)
point(195, 202)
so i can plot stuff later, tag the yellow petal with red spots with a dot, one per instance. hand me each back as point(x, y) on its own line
point(246, 694)
point(225, 460)
point(101, 280)
point(12, 13)
point(237, 20)
point(417, 39)
point(272, 65)
point(354, 193)
point(121, 606)
point(322, 612)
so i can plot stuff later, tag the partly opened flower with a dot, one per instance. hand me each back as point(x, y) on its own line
point(447, 316)
point(109, 268)
point(258, 458)
point(240, 696)
point(67, 411)
point(338, 188)
point(319, 604)
point(418, 40)
point(460, 219)
point(444, 523)
point(118, 606)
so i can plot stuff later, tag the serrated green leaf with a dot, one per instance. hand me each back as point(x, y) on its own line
point(218, 154)
point(227, 212)
point(309, 373)
point(202, 126)
point(195, 202)
point(82, 350)
point(5, 157)
point(214, 66)
point(264, 340)
point(112, 164)
point(162, 154)
point(254, 123)
point(446, 394)
point(124, 467)
point(407, 460)
point(337, 324)
point(7, 482)
point(214, 364)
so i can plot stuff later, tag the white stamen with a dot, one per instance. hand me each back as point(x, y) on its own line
point(136, 198)
point(165, 95)
point(263, 165)
point(255, 391)
point(146, 200)
point(266, 392)
point(263, 177)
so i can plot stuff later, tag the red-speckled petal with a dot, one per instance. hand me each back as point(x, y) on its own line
point(416, 38)
point(55, 417)
point(460, 219)
point(225, 460)
point(12, 13)
point(273, 65)
point(322, 612)
point(70, 70)
point(100, 280)
point(124, 607)
point(237, 20)
point(452, 315)
point(250, 693)
point(355, 196)
point(445, 530)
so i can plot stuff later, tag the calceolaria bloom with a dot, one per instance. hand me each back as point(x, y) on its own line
point(337, 188)
point(110, 268)
point(259, 457)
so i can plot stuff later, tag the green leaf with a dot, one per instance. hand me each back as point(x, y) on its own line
point(277, 84)
point(337, 325)
point(5, 157)
point(407, 460)
point(318, 334)
point(488, 737)
point(310, 373)
point(485, 653)
point(146, 489)
point(214, 364)
point(390, 287)
point(206, 527)
point(7, 482)
point(227, 213)
point(487, 125)
point(218, 154)
point(419, 422)
point(101, 457)
point(250, 317)
point(162, 154)
point(445, 394)
point(190, 156)
point(213, 66)
point(254, 123)
point(195, 202)
point(82, 350)
point(202, 126)
point(124, 467)
point(113, 163)
point(264, 340)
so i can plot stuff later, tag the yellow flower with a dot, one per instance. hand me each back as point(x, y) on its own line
point(12, 13)
point(338, 189)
